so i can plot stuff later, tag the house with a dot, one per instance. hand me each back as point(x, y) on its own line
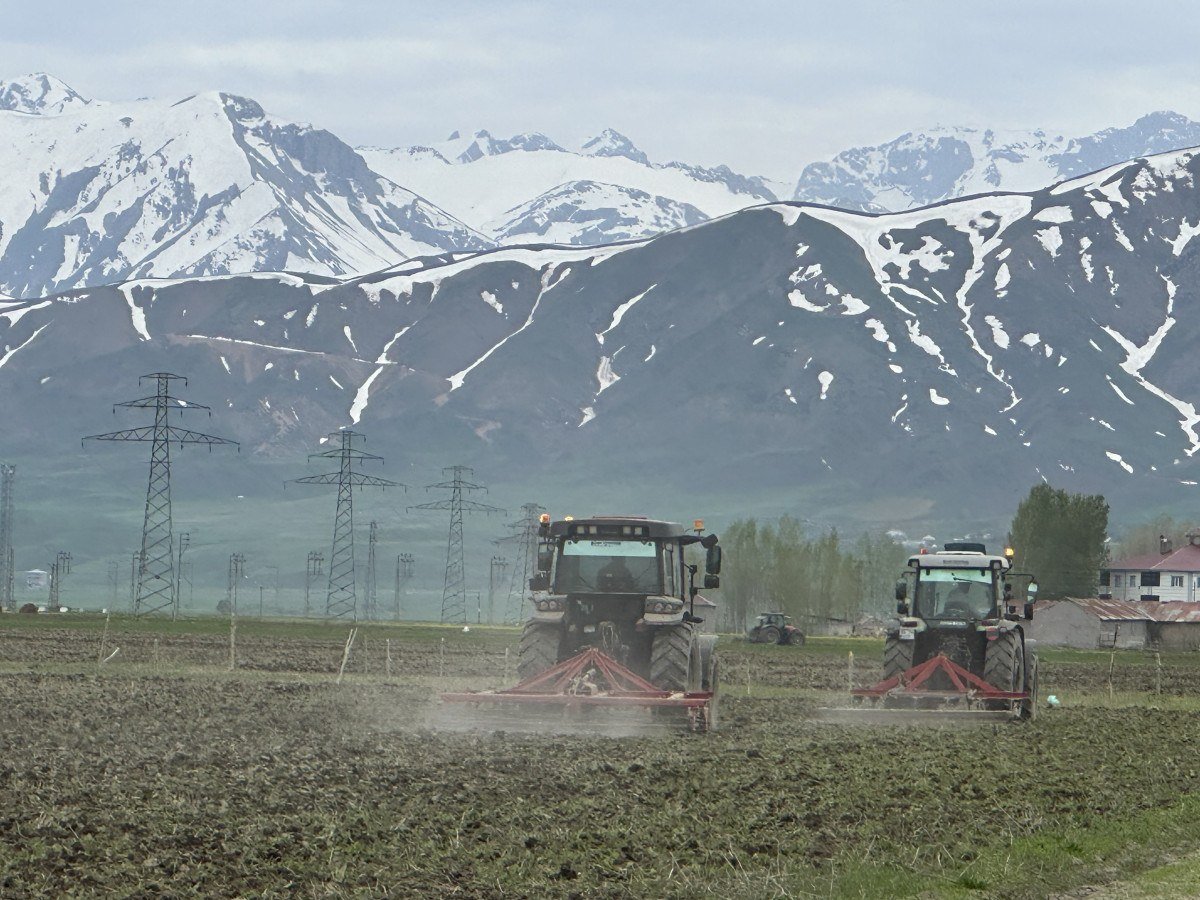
point(1120, 624)
point(1164, 576)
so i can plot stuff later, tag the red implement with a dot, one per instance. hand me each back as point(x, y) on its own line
point(591, 678)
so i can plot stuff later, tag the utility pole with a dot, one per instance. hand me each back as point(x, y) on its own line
point(525, 536)
point(495, 574)
point(341, 601)
point(58, 571)
point(156, 573)
point(237, 565)
point(8, 476)
point(372, 540)
point(454, 589)
point(185, 540)
point(404, 571)
point(312, 570)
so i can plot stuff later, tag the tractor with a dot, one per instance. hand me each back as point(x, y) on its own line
point(961, 604)
point(775, 628)
point(622, 585)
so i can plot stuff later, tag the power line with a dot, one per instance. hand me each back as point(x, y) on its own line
point(454, 588)
point(341, 601)
point(156, 586)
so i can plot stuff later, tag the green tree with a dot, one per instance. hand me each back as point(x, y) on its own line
point(1144, 538)
point(1059, 538)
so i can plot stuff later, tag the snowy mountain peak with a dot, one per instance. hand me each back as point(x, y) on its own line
point(39, 94)
point(613, 143)
point(483, 143)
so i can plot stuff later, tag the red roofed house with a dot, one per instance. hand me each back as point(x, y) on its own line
point(1164, 576)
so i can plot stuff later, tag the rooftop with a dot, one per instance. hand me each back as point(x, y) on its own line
point(1133, 610)
point(1185, 559)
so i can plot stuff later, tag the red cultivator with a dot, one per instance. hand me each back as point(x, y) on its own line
point(937, 689)
point(588, 681)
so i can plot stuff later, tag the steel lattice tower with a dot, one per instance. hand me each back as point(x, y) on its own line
point(156, 570)
point(341, 602)
point(372, 609)
point(454, 590)
point(525, 536)
point(7, 475)
point(58, 571)
point(404, 571)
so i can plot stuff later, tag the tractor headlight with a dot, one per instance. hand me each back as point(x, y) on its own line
point(542, 605)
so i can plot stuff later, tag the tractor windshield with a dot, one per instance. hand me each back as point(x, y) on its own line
point(955, 594)
point(608, 567)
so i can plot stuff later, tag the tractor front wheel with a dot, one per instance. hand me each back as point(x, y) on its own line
point(671, 656)
point(897, 656)
point(1004, 667)
point(538, 649)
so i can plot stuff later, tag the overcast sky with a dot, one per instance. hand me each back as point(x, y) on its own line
point(763, 87)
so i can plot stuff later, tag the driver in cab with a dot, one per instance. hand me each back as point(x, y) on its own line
point(615, 576)
point(968, 600)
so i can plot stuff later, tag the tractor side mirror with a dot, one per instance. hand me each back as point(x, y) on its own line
point(1028, 611)
point(712, 582)
point(540, 582)
point(545, 558)
point(712, 562)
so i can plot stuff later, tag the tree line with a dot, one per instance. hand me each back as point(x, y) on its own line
point(775, 566)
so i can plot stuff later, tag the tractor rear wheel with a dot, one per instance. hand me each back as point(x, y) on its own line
point(769, 635)
point(897, 656)
point(538, 648)
point(671, 656)
point(1004, 662)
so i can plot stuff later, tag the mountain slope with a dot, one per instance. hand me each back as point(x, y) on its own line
point(98, 192)
point(917, 169)
point(484, 181)
point(921, 367)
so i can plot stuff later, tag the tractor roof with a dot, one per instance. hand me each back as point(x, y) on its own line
point(619, 527)
point(958, 559)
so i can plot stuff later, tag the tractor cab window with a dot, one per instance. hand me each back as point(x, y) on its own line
point(670, 570)
point(955, 594)
point(608, 567)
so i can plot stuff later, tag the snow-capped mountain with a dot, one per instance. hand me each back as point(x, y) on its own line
point(39, 94)
point(488, 182)
point(585, 212)
point(925, 366)
point(98, 192)
point(920, 168)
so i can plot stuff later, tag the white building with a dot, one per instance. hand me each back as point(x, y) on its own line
point(1165, 576)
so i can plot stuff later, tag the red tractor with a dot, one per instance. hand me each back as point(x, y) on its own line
point(775, 628)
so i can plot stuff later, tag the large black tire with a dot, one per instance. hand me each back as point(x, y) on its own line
point(538, 649)
point(769, 635)
point(1029, 707)
point(897, 656)
point(672, 655)
point(1004, 662)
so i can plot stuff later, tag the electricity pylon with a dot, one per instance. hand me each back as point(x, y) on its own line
point(156, 568)
point(58, 571)
point(341, 601)
point(371, 598)
point(525, 536)
point(454, 589)
point(313, 569)
point(404, 572)
point(8, 475)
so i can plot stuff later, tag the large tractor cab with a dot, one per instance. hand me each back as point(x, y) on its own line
point(621, 584)
point(969, 607)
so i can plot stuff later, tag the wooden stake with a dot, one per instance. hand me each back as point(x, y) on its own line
point(505, 666)
point(442, 659)
point(388, 657)
point(851, 666)
point(1112, 661)
point(1157, 672)
point(346, 654)
point(154, 655)
point(103, 639)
